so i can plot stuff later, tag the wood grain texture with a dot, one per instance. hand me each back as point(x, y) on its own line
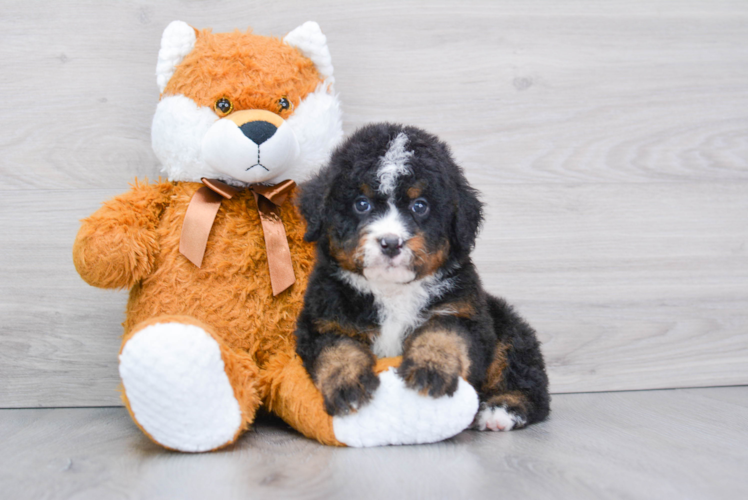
point(661, 444)
point(59, 337)
point(630, 287)
point(610, 142)
point(541, 92)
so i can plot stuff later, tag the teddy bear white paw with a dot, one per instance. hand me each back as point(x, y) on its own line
point(178, 391)
point(398, 415)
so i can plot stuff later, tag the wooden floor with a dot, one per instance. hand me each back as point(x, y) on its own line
point(683, 443)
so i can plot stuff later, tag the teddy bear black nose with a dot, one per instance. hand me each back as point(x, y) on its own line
point(391, 245)
point(258, 131)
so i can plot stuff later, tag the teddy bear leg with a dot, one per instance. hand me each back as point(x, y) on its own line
point(184, 387)
point(292, 396)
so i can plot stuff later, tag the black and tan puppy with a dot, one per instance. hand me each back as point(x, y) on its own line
point(396, 221)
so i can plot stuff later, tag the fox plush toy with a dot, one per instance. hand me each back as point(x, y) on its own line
point(215, 260)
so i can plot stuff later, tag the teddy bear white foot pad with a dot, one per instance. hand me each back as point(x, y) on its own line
point(178, 391)
point(398, 415)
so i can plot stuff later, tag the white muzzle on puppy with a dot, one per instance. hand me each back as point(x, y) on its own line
point(382, 262)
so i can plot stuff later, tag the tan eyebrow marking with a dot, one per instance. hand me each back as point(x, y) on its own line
point(367, 190)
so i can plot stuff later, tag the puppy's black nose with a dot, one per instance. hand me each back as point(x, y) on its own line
point(258, 131)
point(391, 245)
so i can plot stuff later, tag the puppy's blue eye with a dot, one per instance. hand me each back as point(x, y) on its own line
point(362, 205)
point(420, 207)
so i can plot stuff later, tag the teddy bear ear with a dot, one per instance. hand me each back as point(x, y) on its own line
point(312, 43)
point(177, 41)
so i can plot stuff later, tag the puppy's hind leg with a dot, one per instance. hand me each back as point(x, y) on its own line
point(515, 391)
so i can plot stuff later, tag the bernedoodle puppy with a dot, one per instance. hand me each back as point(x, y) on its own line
point(396, 220)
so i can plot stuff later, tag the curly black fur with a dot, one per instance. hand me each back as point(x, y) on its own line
point(504, 362)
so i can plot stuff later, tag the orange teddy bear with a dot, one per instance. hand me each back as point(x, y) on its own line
point(215, 258)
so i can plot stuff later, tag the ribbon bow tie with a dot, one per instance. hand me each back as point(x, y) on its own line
point(202, 211)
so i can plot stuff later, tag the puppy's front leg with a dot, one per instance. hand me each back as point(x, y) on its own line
point(433, 360)
point(344, 374)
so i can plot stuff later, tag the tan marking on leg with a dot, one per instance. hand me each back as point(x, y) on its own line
point(293, 396)
point(460, 309)
point(330, 326)
point(514, 400)
point(442, 352)
point(441, 348)
point(495, 372)
point(340, 366)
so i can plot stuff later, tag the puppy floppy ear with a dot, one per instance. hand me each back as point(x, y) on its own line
point(312, 204)
point(467, 219)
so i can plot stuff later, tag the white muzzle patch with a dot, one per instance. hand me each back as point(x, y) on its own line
point(227, 149)
point(378, 266)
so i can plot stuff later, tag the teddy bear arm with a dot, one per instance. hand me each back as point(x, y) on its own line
point(116, 246)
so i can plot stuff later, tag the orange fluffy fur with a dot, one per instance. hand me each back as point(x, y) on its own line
point(132, 242)
point(227, 64)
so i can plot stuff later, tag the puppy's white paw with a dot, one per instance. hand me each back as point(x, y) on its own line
point(178, 391)
point(497, 418)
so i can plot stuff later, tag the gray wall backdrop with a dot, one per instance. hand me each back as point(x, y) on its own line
point(610, 143)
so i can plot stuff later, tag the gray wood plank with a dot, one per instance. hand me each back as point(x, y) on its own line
point(609, 140)
point(542, 91)
point(629, 287)
point(662, 444)
point(59, 337)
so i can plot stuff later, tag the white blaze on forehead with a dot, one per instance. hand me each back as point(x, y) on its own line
point(393, 164)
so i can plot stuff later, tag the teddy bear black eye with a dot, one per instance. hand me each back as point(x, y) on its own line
point(224, 106)
point(362, 205)
point(284, 103)
point(420, 207)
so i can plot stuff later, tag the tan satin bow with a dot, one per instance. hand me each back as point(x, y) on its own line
point(202, 211)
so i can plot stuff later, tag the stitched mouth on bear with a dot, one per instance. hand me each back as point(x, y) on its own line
point(258, 164)
point(252, 158)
